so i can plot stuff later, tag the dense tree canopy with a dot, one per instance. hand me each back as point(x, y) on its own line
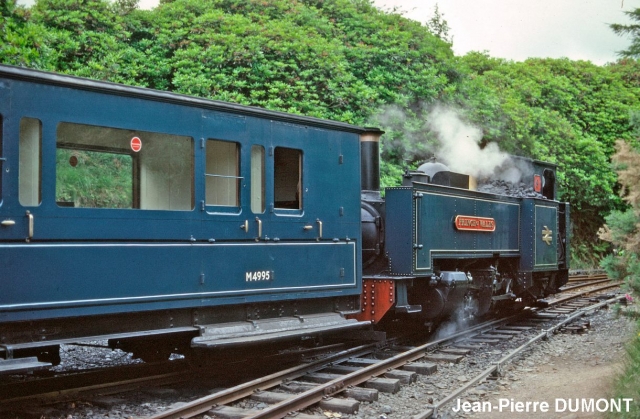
point(348, 61)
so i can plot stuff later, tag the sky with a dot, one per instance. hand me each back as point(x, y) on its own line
point(520, 29)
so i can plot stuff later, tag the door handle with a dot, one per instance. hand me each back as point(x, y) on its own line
point(319, 229)
point(30, 219)
point(310, 227)
point(259, 221)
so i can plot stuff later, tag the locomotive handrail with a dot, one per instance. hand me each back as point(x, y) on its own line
point(259, 221)
point(319, 229)
point(30, 218)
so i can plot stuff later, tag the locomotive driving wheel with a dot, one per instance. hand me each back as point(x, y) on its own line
point(477, 302)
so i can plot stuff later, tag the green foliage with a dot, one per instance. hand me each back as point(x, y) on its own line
point(619, 226)
point(622, 228)
point(567, 112)
point(390, 175)
point(438, 26)
point(627, 385)
point(23, 42)
point(95, 180)
point(337, 59)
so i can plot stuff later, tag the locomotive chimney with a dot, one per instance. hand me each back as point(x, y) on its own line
point(370, 159)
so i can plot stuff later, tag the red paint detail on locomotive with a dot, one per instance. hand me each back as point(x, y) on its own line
point(537, 183)
point(469, 223)
point(378, 296)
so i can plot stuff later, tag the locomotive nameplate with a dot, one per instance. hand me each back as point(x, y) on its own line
point(470, 223)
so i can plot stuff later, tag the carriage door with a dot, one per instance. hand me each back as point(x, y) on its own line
point(17, 221)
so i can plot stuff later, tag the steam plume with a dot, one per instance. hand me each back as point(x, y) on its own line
point(459, 146)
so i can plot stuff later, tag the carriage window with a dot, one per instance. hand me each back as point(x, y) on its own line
point(93, 179)
point(29, 168)
point(222, 177)
point(257, 179)
point(287, 178)
point(100, 167)
point(1, 156)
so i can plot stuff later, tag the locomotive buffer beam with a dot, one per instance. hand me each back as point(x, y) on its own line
point(272, 330)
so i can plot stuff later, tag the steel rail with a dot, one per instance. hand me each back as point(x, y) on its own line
point(71, 385)
point(203, 404)
point(496, 368)
point(593, 277)
point(589, 291)
point(595, 282)
point(318, 393)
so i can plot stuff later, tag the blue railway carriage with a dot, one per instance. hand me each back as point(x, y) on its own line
point(163, 222)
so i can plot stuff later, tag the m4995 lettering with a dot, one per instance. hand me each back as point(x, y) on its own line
point(254, 276)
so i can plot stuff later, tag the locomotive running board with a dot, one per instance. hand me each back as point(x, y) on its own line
point(17, 365)
point(272, 330)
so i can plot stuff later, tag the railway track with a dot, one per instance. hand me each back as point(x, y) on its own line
point(572, 310)
point(588, 277)
point(360, 377)
point(335, 382)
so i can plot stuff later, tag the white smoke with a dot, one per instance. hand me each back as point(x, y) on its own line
point(457, 322)
point(460, 145)
point(460, 149)
point(446, 135)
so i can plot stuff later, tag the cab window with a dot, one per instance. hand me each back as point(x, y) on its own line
point(1, 156)
point(287, 178)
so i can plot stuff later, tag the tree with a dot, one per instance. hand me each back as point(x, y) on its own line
point(89, 38)
point(438, 26)
point(633, 30)
point(623, 227)
point(23, 42)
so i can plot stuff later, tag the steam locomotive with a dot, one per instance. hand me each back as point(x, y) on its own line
point(163, 223)
point(437, 247)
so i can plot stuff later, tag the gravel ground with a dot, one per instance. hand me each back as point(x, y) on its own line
point(94, 355)
point(567, 365)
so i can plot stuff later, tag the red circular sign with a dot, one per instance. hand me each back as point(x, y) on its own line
point(537, 183)
point(136, 144)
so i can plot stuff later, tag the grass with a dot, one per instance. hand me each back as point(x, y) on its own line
point(627, 384)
